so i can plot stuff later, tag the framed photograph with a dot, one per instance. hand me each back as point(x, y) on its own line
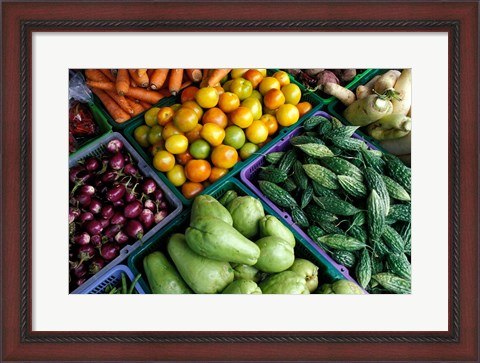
point(42, 42)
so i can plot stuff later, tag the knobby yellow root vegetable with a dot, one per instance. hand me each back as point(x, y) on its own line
point(403, 86)
point(393, 126)
point(366, 89)
point(343, 94)
point(386, 81)
point(368, 109)
point(398, 147)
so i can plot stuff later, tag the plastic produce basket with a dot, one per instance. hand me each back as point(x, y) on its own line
point(114, 279)
point(326, 99)
point(328, 270)
point(120, 126)
point(103, 127)
point(175, 205)
point(129, 135)
point(336, 108)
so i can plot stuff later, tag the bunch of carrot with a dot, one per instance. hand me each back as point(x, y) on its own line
point(126, 93)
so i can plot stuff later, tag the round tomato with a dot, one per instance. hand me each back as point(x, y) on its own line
point(150, 116)
point(140, 135)
point(247, 150)
point(197, 170)
point(176, 175)
point(242, 117)
point(287, 115)
point(241, 87)
point(169, 130)
point(194, 106)
point(165, 115)
point(257, 132)
point(194, 134)
point(155, 148)
point(304, 108)
point(176, 144)
point(155, 134)
point(226, 85)
point(217, 173)
point(234, 136)
point(267, 84)
point(254, 76)
point(163, 161)
point(228, 101)
point(273, 99)
point(271, 123)
point(207, 97)
point(188, 94)
point(185, 119)
point(254, 105)
point(256, 94)
point(238, 72)
point(200, 149)
point(263, 71)
point(224, 156)
point(183, 158)
point(213, 133)
point(292, 93)
point(282, 77)
point(215, 116)
point(191, 189)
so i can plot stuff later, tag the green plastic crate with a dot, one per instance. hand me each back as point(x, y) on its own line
point(103, 127)
point(129, 135)
point(327, 100)
point(327, 272)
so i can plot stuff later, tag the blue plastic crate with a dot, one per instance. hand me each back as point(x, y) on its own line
point(114, 279)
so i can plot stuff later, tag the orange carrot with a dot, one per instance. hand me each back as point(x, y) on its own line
point(175, 80)
point(122, 82)
point(96, 75)
point(122, 102)
point(137, 107)
point(108, 72)
point(195, 75)
point(205, 75)
point(157, 80)
point(112, 107)
point(144, 95)
point(144, 104)
point(217, 75)
point(141, 81)
point(185, 84)
point(103, 85)
point(150, 72)
point(141, 71)
point(165, 92)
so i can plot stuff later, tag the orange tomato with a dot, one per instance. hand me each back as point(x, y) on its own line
point(228, 102)
point(213, 133)
point(163, 161)
point(267, 84)
point(217, 173)
point(194, 134)
point(188, 94)
point(271, 122)
point(273, 99)
point(194, 106)
point(282, 77)
point(197, 170)
point(170, 129)
point(183, 158)
point(185, 119)
point(242, 117)
point(287, 114)
point(215, 116)
point(257, 132)
point(219, 89)
point(207, 97)
point(155, 148)
point(304, 108)
point(191, 189)
point(165, 115)
point(254, 76)
point(224, 156)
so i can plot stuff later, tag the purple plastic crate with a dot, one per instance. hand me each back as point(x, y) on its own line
point(248, 174)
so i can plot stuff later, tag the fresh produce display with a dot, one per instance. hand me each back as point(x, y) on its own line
point(351, 200)
point(219, 120)
point(112, 204)
point(240, 181)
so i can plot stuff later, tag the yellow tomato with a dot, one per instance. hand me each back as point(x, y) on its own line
point(176, 175)
point(207, 97)
point(185, 119)
point(292, 93)
point(238, 72)
point(176, 144)
point(257, 132)
point(242, 117)
point(163, 161)
point(271, 123)
point(213, 133)
point(282, 77)
point(170, 129)
point(287, 115)
point(267, 84)
point(254, 105)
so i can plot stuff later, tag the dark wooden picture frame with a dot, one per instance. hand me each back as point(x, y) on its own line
point(21, 19)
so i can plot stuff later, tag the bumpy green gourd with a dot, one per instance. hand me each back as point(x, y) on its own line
point(242, 287)
point(246, 212)
point(215, 239)
point(207, 206)
point(276, 254)
point(162, 276)
point(286, 282)
point(202, 275)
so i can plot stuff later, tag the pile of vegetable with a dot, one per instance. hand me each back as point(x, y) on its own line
point(111, 205)
point(123, 287)
point(231, 246)
point(224, 118)
point(81, 126)
point(352, 201)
